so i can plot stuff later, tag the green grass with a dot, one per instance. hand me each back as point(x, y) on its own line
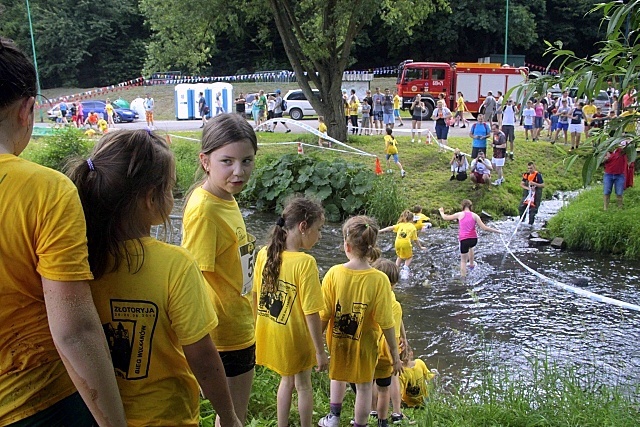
point(547, 396)
point(586, 226)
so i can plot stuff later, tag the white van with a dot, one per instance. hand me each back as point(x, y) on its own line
point(297, 104)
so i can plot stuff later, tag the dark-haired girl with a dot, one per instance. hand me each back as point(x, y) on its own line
point(288, 301)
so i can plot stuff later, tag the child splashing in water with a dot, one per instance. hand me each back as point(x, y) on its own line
point(406, 233)
point(287, 300)
point(215, 233)
point(146, 291)
point(358, 300)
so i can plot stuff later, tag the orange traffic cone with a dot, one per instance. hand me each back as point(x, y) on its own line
point(378, 167)
point(300, 149)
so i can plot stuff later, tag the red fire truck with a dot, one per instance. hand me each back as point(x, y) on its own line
point(473, 79)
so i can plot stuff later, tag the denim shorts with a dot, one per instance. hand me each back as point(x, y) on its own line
point(395, 157)
point(610, 180)
point(388, 119)
point(442, 131)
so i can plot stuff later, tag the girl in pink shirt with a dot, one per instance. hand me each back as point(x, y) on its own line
point(467, 233)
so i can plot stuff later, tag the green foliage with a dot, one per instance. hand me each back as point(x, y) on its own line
point(342, 187)
point(617, 59)
point(56, 150)
point(586, 226)
point(385, 201)
point(187, 164)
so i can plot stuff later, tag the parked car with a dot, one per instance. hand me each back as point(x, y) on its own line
point(97, 106)
point(250, 98)
point(297, 104)
point(602, 101)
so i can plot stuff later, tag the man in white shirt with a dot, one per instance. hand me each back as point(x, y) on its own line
point(509, 112)
point(481, 169)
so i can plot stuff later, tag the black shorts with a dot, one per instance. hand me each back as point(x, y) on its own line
point(467, 244)
point(270, 114)
point(476, 150)
point(277, 115)
point(383, 382)
point(238, 362)
point(508, 131)
point(70, 411)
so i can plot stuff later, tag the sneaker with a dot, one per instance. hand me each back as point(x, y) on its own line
point(463, 126)
point(389, 171)
point(418, 140)
point(403, 173)
point(400, 125)
point(413, 140)
point(397, 418)
point(373, 414)
point(452, 178)
point(510, 156)
point(497, 182)
point(329, 420)
point(288, 130)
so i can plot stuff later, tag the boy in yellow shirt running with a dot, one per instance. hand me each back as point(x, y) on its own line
point(391, 150)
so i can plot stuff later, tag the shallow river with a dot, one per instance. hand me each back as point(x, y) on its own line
point(502, 315)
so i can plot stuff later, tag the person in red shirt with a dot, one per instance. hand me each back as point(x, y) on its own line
point(615, 168)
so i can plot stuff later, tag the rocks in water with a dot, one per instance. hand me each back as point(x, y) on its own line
point(538, 241)
point(559, 243)
point(534, 235)
point(580, 281)
point(485, 216)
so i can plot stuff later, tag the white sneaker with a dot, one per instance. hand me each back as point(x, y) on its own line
point(413, 140)
point(497, 182)
point(403, 173)
point(418, 140)
point(329, 420)
point(389, 171)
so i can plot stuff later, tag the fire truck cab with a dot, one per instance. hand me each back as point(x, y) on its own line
point(474, 80)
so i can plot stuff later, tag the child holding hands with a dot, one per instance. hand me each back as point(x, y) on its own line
point(287, 300)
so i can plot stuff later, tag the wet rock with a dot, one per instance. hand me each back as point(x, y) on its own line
point(485, 216)
point(538, 241)
point(534, 235)
point(559, 243)
point(580, 281)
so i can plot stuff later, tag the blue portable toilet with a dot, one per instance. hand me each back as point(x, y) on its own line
point(185, 101)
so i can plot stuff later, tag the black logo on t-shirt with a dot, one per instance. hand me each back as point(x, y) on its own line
point(277, 305)
point(413, 389)
point(349, 325)
point(130, 335)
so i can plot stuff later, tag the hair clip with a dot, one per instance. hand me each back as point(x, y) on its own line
point(90, 163)
point(366, 225)
point(280, 222)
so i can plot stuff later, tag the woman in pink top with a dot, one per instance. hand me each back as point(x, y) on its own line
point(467, 233)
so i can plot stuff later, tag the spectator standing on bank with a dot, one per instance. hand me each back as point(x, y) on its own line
point(481, 169)
point(219, 109)
point(461, 107)
point(443, 117)
point(499, 152)
point(489, 105)
point(499, 108)
point(459, 166)
point(615, 168)
point(417, 109)
point(278, 111)
point(241, 102)
point(110, 112)
point(480, 132)
point(527, 116)
point(397, 101)
point(563, 120)
point(203, 108)
point(377, 111)
point(387, 109)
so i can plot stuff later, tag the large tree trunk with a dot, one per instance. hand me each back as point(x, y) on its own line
point(331, 106)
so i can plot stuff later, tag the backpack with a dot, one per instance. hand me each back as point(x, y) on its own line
point(486, 125)
point(283, 105)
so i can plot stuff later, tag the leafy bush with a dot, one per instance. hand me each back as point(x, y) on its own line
point(56, 150)
point(186, 155)
point(384, 202)
point(344, 188)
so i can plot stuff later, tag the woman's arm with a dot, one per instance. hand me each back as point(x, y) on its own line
point(79, 338)
point(447, 217)
point(205, 363)
point(315, 328)
point(383, 230)
point(483, 226)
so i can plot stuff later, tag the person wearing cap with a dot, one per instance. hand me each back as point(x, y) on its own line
point(481, 169)
point(278, 111)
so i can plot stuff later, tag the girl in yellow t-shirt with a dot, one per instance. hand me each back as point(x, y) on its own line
point(215, 233)
point(406, 233)
point(358, 301)
point(414, 379)
point(287, 303)
point(152, 300)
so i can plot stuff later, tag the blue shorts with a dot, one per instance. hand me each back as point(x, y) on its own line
point(395, 157)
point(396, 112)
point(377, 115)
point(388, 119)
point(442, 131)
point(537, 122)
point(528, 127)
point(610, 180)
point(563, 126)
point(554, 126)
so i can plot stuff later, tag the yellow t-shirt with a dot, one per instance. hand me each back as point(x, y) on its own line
point(589, 110)
point(413, 383)
point(214, 232)
point(631, 126)
point(147, 316)
point(396, 102)
point(405, 233)
point(390, 145)
point(353, 107)
point(283, 341)
point(419, 219)
point(102, 125)
point(460, 106)
point(384, 367)
point(322, 127)
point(43, 235)
point(357, 301)
point(109, 109)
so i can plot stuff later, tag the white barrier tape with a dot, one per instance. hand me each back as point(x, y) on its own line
point(183, 137)
point(524, 214)
point(261, 144)
point(314, 131)
point(578, 291)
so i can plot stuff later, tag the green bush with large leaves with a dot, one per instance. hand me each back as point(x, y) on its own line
point(343, 188)
point(56, 150)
